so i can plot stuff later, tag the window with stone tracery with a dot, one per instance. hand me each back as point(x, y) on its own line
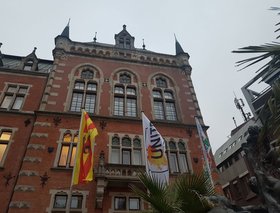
point(164, 106)
point(84, 93)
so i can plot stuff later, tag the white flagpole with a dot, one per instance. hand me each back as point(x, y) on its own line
point(206, 162)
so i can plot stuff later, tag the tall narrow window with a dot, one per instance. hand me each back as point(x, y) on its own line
point(5, 137)
point(84, 93)
point(125, 98)
point(14, 97)
point(177, 156)
point(163, 101)
point(68, 150)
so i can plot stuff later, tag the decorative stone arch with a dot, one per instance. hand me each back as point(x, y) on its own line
point(171, 81)
point(135, 76)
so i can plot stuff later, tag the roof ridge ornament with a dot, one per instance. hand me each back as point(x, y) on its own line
point(95, 38)
point(144, 46)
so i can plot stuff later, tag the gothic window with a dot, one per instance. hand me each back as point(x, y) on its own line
point(84, 93)
point(87, 74)
point(177, 156)
point(126, 151)
point(14, 97)
point(5, 139)
point(67, 150)
point(163, 101)
point(161, 82)
point(125, 99)
point(125, 78)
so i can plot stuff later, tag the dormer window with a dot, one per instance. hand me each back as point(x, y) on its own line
point(124, 39)
point(28, 65)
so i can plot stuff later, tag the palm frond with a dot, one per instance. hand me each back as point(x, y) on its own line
point(192, 190)
point(156, 195)
point(268, 51)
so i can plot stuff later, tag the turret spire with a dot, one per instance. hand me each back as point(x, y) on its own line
point(179, 49)
point(65, 32)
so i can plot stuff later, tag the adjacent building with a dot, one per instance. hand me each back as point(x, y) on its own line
point(234, 168)
point(40, 109)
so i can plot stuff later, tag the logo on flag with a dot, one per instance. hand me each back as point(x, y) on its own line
point(156, 163)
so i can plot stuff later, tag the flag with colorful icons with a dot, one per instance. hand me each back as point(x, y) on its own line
point(156, 163)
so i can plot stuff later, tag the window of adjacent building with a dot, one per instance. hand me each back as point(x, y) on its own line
point(84, 93)
point(14, 97)
point(177, 157)
point(163, 101)
point(67, 150)
point(5, 138)
point(125, 98)
point(126, 151)
point(126, 203)
point(60, 201)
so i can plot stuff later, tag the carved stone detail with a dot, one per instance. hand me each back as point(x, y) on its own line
point(24, 188)
point(42, 124)
point(28, 173)
point(19, 204)
point(32, 159)
point(39, 135)
point(36, 146)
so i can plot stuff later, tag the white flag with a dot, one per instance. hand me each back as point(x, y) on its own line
point(156, 163)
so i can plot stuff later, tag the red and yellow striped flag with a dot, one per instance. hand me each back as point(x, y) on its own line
point(83, 169)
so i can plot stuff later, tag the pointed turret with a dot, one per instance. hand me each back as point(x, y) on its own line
point(178, 47)
point(65, 32)
point(1, 62)
point(182, 56)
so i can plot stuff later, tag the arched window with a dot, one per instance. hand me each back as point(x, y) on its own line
point(177, 157)
point(84, 93)
point(127, 152)
point(125, 78)
point(5, 139)
point(161, 82)
point(87, 74)
point(163, 101)
point(125, 99)
point(67, 150)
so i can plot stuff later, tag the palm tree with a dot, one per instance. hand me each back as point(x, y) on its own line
point(186, 194)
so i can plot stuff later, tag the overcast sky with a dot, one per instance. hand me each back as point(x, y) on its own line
point(207, 30)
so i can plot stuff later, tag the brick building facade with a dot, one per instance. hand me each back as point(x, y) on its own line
point(40, 103)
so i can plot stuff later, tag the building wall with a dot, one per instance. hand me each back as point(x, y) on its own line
point(41, 177)
point(20, 124)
